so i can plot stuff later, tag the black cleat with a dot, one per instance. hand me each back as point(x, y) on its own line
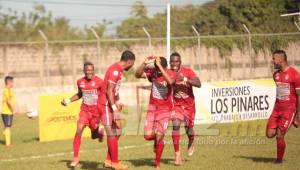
point(277, 161)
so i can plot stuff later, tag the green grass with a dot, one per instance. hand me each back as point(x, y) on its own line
point(232, 147)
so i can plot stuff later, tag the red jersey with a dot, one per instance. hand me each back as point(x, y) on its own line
point(183, 92)
point(286, 84)
point(90, 91)
point(114, 75)
point(161, 91)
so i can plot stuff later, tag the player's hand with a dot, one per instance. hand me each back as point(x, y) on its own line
point(117, 120)
point(158, 61)
point(65, 102)
point(120, 106)
point(149, 60)
point(297, 120)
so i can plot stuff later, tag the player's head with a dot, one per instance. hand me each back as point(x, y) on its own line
point(128, 59)
point(88, 69)
point(9, 81)
point(279, 58)
point(175, 61)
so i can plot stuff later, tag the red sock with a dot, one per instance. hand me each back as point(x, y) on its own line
point(108, 157)
point(280, 148)
point(159, 150)
point(76, 145)
point(112, 143)
point(176, 139)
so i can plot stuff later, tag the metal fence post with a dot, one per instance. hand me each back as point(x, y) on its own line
point(98, 62)
point(149, 41)
point(46, 58)
point(199, 47)
point(5, 68)
point(251, 63)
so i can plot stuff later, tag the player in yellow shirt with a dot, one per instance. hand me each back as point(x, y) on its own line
point(8, 107)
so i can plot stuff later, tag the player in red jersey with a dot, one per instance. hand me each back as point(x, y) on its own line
point(160, 104)
point(287, 105)
point(89, 88)
point(110, 108)
point(184, 104)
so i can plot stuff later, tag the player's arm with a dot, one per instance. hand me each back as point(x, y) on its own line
point(163, 71)
point(9, 102)
point(297, 116)
point(75, 97)
point(110, 93)
point(140, 71)
point(195, 81)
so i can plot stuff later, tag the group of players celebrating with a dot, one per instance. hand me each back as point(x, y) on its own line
point(171, 99)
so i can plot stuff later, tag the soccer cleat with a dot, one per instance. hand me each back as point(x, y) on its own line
point(277, 161)
point(190, 151)
point(119, 166)
point(107, 163)
point(178, 159)
point(75, 162)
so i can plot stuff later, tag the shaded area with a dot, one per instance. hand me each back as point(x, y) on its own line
point(148, 161)
point(257, 159)
point(85, 165)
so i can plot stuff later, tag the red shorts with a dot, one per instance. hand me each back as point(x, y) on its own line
point(186, 114)
point(281, 118)
point(157, 119)
point(89, 118)
point(107, 115)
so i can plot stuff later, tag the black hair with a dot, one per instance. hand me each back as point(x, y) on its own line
point(8, 78)
point(281, 52)
point(127, 55)
point(175, 54)
point(163, 61)
point(87, 63)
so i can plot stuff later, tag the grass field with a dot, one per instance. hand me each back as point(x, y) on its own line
point(234, 147)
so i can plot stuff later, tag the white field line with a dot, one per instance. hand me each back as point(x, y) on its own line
point(68, 153)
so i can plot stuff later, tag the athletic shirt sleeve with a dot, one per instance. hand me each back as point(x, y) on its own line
point(171, 73)
point(114, 75)
point(297, 81)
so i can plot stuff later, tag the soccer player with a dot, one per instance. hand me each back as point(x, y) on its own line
point(160, 104)
point(8, 108)
point(89, 88)
point(110, 107)
point(184, 104)
point(287, 103)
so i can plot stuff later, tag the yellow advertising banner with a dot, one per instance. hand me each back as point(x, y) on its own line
point(57, 122)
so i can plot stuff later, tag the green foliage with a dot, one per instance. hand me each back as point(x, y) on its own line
point(221, 17)
point(24, 27)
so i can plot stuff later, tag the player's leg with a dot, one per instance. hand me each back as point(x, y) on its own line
point(149, 133)
point(112, 160)
point(159, 148)
point(76, 143)
point(160, 127)
point(284, 124)
point(176, 140)
point(7, 121)
point(189, 117)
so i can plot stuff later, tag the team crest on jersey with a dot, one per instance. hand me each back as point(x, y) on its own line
point(116, 73)
point(277, 76)
point(286, 77)
point(93, 83)
point(82, 84)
